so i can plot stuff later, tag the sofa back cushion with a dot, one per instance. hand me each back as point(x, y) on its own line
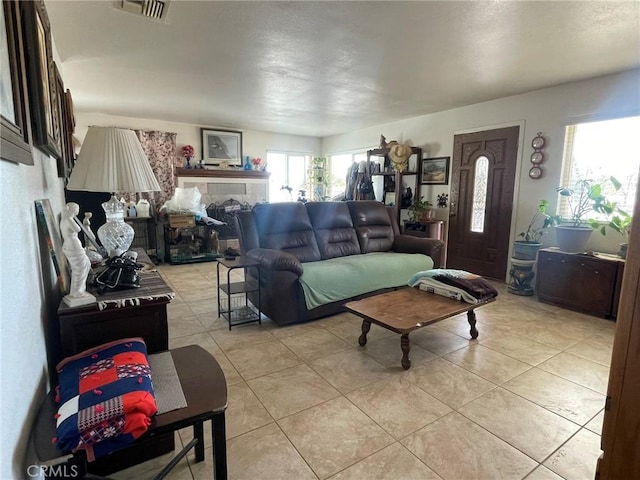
point(374, 226)
point(286, 227)
point(333, 228)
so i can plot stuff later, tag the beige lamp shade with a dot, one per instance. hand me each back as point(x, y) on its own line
point(112, 160)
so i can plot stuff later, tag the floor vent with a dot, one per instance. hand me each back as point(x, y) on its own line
point(156, 9)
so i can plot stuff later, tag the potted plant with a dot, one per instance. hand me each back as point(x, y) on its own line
point(420, 211)
point(621, 223)
point(572, 233)
point(527, 248)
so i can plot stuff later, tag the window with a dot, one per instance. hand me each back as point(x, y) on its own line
point(480, 194)
point(287, 170)
point(598, 150)
point(339, 165)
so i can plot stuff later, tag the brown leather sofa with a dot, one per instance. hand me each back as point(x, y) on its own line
point(284, 237)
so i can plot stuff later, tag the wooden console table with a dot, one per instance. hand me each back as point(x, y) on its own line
point(586, 283)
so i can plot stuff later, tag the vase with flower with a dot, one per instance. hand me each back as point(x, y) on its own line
point(256, 162)
point(188, 152)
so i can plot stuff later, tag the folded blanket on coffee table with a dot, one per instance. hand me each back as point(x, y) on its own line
point(452, 283)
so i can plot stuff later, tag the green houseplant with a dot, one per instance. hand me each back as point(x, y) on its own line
point(527, 248)
point(420, 210)
point(621, 223)
point(573, 232)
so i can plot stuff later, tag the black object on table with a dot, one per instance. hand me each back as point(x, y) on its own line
point(205, 389)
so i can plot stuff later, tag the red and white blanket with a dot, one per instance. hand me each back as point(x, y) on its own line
point(106, 398)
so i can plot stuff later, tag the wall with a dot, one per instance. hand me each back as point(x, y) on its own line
point(547, 111)
point(27, 304)
point(254, 143)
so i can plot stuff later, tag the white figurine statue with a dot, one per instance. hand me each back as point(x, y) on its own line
point(93, 254)
point(77, 258)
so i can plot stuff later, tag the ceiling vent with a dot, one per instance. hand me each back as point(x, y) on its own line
point(155, 9)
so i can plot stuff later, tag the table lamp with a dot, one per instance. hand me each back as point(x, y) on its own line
point(112, 160)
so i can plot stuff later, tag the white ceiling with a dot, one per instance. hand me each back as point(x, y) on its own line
point(321, 68)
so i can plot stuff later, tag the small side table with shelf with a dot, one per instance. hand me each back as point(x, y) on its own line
point(234, 304)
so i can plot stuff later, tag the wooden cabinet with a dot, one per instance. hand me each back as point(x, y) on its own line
point(589, 284)
point(393, 182)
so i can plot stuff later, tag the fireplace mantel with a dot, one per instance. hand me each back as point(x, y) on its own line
point(221, 173)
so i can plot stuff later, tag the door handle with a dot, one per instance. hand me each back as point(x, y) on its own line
point(452, 209)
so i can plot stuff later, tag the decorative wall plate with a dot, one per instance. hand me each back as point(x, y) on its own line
point(536, 158)
point(535, 173)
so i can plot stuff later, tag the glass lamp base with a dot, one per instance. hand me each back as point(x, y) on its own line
point(116, 235)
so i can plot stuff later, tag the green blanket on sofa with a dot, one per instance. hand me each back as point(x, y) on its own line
point(340, 278)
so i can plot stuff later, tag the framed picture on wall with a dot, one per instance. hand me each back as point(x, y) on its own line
point(221, 146)
point(44, 108)
point(49, 232)
point(14, 145)
point(435, 171)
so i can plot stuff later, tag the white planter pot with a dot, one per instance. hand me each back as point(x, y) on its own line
point(572, 239)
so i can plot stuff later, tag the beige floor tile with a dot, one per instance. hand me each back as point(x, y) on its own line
point(348, 327)
point(178, 310)
point(570, 400)
point(289, 391)
point(519, 422)
point(549, 335)
point(264, 454)
point(579, 370)
point(314, 343)
point(595, 425)
point(333, 436)
point(520, 348)
point(244, 411)
point(387, 352)
point(456, 448)
point(487, 363)
point(438, 341)
point(211, 321)
point(398, 406)
point(460, 326)
point(349, 370)
point(391, 463)
point(205, 306)
point(448, 383)
point(184, 326)
point(597, 349)
point(285, 331)
point(543, 473)
point(241, 336)
point(577, 458)
point(270, 357)
point(202, 339)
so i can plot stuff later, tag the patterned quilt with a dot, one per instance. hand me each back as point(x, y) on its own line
point(106, 398)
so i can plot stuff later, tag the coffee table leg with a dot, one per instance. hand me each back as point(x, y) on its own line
point(471, 316)
point(366, 325)
point(405, 346)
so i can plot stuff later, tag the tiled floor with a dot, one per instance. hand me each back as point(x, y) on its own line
point(525, 400)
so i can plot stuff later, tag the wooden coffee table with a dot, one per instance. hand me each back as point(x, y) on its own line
point(405, 310)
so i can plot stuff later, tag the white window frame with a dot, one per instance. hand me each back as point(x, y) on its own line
point(275, 190)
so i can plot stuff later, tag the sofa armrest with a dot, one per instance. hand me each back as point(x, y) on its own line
point(276, 260)
point(428, 246)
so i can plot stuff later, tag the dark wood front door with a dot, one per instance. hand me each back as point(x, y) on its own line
point(484, 165)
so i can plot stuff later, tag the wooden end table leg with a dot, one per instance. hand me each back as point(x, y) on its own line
point(198, 433)
point(366, 326)
point(219, 446)
point(405, 346)
point(471, 317)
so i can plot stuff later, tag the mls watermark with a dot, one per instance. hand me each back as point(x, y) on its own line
point(53, 471)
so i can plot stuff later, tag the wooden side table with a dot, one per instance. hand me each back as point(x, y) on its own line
point(237, 309)
point(205, 389)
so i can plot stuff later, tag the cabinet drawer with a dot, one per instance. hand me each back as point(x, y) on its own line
point(577, 281)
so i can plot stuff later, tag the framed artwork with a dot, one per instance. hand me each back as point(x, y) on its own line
point(390, 198)
point(14, 105)
point(44, 107)
point(435, 171)
point(50, 234)
point(63, 170)
point(220, 146)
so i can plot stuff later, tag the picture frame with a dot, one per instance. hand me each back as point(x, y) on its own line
point(44, 107)
point(389, 198)
point(14, 103)
point(435, 171)
point(50, 234)
point(63, 170)
point(220, 146)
